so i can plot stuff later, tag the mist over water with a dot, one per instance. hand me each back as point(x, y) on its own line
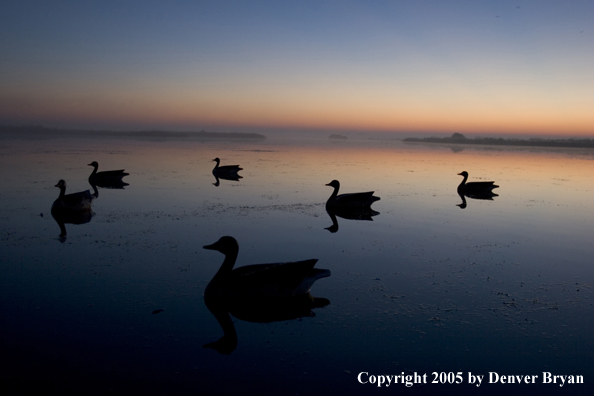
point(502, 285)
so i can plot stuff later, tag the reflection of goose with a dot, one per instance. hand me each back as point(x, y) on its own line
point(474, 187)
point(259, 293)
point(260, 311)
point(73, 208)
point(351, 214)
point(235, 177)
point(349, 201)
point(485, 196)
point(63, 217)
point(107, 179)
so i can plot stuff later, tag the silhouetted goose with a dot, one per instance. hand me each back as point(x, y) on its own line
point(228, 172)
point(80, 201)
point(474, 187)
point(258, 293)
point(71, 208)
point(259, 281)
point(112, 178)
point(354, 201)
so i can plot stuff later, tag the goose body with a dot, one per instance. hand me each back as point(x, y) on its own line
point(351, 200)
point(225, 170)
point(80, 201)
point(471, 188)
point(112, 178)
point(259, 281)
point(258, 293)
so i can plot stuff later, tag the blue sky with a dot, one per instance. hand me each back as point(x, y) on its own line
point(485, 66)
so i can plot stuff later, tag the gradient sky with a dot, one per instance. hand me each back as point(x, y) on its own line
point(468, 66)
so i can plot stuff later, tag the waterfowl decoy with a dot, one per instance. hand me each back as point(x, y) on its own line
point(260, 293)
point(259, 281)
point(474, 187)
point(226, 171)
point(352, 201)
point(80, 201)
point(71, 208)
point(110, 179)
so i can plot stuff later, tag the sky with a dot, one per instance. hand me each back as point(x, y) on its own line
point(475, 66)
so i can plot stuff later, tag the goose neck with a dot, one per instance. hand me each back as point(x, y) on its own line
point(463, 182)
point(334, 193)
point(227, 266)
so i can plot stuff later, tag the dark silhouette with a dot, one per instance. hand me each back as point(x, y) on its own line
point(225, 172)
point(107, 179)
point(481, 187)
point(486, 196)
point(258, 293)
point(80, 201)
point(263, 310)
point(475, 190)
point(352, 201)
point(350, 214)
point(73, 208)
point(458, 138)
point(232, 178)
point(39, 131)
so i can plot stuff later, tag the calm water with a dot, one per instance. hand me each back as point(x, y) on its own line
point(500, 286)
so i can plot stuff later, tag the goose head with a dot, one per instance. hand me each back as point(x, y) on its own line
point(61, 184)
point(94, 164)
point(226, 245)
point(334, 183)
point(217, 160)
point(464, 174)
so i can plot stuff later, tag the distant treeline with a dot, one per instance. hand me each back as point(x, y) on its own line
point(458, 138)
point(41, 131)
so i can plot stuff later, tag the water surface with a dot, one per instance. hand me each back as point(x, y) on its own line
point(503, 285)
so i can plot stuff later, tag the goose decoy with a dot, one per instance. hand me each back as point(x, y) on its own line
point(227, 171)
point(352, 201)
point(259, 281)
point(260, 293)
point(80, 201)
point(71, 208)
point(109, 179)
point(480, 188)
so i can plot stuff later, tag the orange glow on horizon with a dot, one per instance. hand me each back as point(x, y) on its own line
point(345, 114)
